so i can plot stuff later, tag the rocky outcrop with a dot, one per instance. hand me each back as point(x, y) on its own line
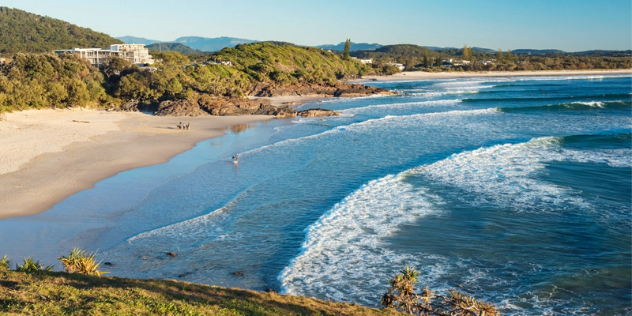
point(222, 106)
point(337, 90)
point(184, 107)
point(359, 90)
point(317, 113)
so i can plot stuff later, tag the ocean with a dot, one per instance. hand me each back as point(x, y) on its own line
point(516, 190)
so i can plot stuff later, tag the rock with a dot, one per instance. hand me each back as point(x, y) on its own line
point(317, 112)
point(323, 90)
point(170, 254)
point(359, 90)
point(292, 103)
point(184, 107)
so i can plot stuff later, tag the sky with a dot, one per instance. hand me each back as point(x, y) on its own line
point(569, 25)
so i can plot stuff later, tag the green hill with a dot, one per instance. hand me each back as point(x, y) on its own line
point(56, 293)
point(25, 32)
point(173, 47)
point(395, 51)
point(289, 64)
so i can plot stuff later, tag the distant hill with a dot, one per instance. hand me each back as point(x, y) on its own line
point(354, 46)
point(173, 47)
point(21, 31)
point(450, 49)
point(395, 51)
point(212, 44)
point(136, 40)
point(538, 52)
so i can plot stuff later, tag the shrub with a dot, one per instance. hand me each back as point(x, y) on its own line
point(79, 261)
point(4, 263)
point(401, 296)
point(31, 265)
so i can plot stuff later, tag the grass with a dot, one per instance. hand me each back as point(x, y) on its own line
point(60, 293)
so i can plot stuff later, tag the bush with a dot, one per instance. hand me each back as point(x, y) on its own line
point(31, 265)
point(4, 263)
point(401, 296)
point(79, 261)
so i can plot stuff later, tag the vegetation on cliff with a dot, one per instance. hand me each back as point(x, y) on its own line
point(25, 32)
point(49, 81)
point(58, 293)
point(289, 64)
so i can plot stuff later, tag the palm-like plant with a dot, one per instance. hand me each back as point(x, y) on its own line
point(4, 263)
point(401, 296)
point(79, 261)
point(30, 265)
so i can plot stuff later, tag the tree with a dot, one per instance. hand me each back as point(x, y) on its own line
point(345, 53)
point(509, 55)
point(426, 60)
point(466, 53)
point(403, 297)
point(438, 61)
point(499, 55)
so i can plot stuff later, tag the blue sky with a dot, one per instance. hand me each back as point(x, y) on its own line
point(570, 25)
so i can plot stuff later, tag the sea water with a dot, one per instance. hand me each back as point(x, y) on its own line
point(515, 190)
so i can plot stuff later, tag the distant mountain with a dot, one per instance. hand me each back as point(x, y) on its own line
point(212, 44)
point(136, 40)
point(25, 32)
point(354, 46)
point(176, 47)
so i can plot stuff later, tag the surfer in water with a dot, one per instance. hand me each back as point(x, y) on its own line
point(236, 158)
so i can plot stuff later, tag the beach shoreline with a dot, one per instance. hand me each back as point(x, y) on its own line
point(49, 155)
point(420, 75)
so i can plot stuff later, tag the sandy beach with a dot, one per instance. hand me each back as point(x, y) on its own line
point(417, 75)
point(48, 155)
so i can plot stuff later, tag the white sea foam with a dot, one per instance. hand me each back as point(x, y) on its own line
point(342, 254)
point(405, 105)
point(401, 120)
point(592, 103)
point(344, 248)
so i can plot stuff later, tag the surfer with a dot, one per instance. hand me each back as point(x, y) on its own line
point(236, 158)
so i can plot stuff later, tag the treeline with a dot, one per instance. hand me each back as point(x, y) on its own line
point(47, 80)
point(50, 81)
point(25, 32)
point(415, 57)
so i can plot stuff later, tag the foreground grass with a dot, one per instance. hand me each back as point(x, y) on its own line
point(58, 293)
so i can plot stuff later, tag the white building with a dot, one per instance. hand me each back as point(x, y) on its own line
point(398, 65)
point(134, 53)
point(364, 61)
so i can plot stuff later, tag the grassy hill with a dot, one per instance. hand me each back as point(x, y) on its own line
point(354, 46)
point(57, 293)
point(173, 47)
point(25, 32)
point(211, 44)
point(288, 64)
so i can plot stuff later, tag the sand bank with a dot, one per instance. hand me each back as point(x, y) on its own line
point(48, 155)
point(416, 75)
